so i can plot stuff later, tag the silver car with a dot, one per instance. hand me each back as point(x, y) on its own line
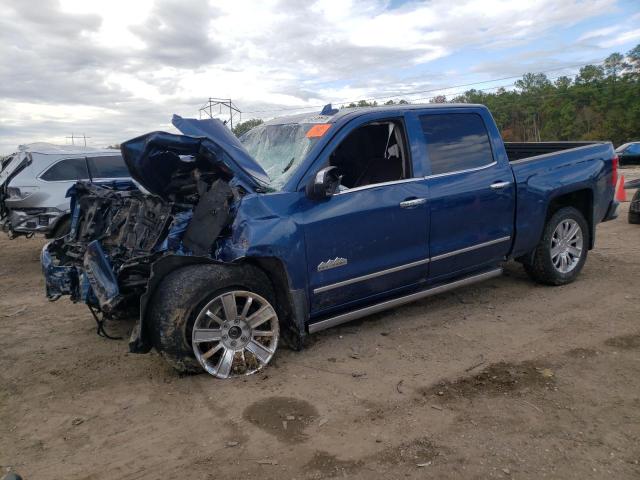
point(34, 182)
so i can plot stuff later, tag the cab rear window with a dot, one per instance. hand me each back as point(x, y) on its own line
point(456, 142)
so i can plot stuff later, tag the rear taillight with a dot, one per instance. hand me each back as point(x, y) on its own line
point(614, 171)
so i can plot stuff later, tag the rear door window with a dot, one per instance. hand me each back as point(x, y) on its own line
point(108, 167)
point(457, 141)
point(67, 170)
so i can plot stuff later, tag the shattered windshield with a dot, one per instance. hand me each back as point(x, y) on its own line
point(279, 149)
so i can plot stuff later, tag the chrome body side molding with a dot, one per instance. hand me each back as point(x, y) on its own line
point(326, 288)
point(369, 276)
point(471, 248)
point(379, 307)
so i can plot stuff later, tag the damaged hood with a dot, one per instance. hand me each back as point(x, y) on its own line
point(154, 157)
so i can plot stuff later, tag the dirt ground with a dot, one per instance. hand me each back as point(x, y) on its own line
point(506, 379)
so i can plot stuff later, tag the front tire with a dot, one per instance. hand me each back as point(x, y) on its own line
point(562, 251)
point(201, 318)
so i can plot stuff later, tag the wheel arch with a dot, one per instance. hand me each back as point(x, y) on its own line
point(581, 200)
point(291, 305)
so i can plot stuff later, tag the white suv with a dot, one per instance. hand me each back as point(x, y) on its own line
point(35, 180)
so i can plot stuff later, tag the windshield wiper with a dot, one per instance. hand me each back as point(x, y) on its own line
point(288, 165)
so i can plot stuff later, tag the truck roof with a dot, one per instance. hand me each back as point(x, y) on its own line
point(334, 117)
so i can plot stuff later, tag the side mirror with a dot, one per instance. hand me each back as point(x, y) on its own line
point(324, 184)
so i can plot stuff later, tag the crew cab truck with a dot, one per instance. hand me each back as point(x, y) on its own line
point(228, 247)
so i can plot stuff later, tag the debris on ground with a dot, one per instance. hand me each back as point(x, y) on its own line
point(480, 362)
point(14, 313)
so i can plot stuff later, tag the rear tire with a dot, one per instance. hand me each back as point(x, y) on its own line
point(550, 267)
point(182, 295)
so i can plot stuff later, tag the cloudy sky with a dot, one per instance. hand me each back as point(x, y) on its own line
point(114, 69)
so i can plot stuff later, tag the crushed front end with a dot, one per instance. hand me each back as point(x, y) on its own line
point(180, 203)
point(117, 231)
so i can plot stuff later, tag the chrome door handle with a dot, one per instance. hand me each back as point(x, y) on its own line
point(499, 185)
point(413, 203)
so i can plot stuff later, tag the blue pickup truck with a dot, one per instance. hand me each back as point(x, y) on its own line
point(224, 248)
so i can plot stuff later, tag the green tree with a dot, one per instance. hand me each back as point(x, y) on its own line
point(613, 64)
point(600, 103)
point(532, 82)
point(590, 74)
point(438, 99)
point(243, 127)
point(562, 83)
point(634, 59)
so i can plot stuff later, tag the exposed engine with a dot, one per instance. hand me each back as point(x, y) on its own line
point(118, 232)
point(181, 202)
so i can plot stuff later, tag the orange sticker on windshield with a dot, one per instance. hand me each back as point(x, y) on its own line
point(318, 130)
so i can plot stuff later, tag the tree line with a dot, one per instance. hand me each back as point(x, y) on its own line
point(602, 102)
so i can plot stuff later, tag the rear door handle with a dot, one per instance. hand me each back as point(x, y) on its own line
point(499, 185)
point(413, 202)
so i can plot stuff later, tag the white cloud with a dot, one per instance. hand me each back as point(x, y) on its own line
point(600, 32)
point(620, 38)
point(121, 66)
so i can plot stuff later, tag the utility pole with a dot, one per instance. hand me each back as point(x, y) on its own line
point(224, 106)
point(74, 137)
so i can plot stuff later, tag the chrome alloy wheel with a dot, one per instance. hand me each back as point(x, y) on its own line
point(235, 334)
point(566, 245)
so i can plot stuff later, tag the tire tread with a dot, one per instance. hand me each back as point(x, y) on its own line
point(540, 268)
point(176, 301)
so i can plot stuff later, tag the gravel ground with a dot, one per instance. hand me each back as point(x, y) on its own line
point(506, 379)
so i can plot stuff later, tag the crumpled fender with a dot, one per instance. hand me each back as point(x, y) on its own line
point(262, 230)
point(58, 280)
point(140, 340)
point(259, 234)
point(99, 271)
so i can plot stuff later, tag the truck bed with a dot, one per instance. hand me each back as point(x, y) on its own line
point(525, 150)
point(556, 169)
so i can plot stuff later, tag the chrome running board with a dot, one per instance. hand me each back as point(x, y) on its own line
point(379, 307)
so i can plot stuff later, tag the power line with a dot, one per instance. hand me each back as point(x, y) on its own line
point(417, 92)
